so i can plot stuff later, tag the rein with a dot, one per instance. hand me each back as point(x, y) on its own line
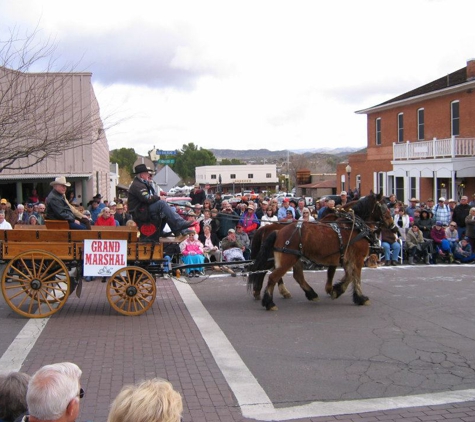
point(356, 224)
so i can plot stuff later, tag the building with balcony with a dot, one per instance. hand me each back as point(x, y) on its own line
point(420, 144)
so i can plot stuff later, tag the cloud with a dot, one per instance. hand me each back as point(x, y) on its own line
point(141, 55)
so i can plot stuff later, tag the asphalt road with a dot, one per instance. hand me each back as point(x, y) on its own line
point(413, 346)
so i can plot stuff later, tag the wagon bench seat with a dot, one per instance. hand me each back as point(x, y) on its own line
point(68, 244)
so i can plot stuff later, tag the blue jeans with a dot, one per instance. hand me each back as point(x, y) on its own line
point(75, 226)
point(391, 250)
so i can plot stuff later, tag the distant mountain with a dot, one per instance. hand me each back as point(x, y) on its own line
point(259, 154)
point(332, 151)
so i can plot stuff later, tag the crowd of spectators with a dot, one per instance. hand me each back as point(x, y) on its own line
point(442, 225)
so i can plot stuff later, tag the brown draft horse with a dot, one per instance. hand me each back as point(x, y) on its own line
point(260, 266)
point(340, 239)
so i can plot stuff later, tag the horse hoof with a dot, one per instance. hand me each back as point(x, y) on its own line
point(273, 308)
point(316, 299)
point(257, 297)
point(287, 296)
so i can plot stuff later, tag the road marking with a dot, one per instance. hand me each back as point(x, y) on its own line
point(15, 355)
point(246, 388)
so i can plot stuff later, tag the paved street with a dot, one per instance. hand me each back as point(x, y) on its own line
point(408, 356)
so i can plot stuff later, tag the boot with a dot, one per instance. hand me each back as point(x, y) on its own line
point(394, 263)
point(387, 263)
point(411, 260)
point(427, 259)
point(451, 258)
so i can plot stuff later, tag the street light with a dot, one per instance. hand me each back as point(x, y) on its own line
point(348, 172)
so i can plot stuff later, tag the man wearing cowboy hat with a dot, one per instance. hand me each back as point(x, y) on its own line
point(58, 208)
point(143, 200)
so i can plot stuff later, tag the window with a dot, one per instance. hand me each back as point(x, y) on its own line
point(400, 127)
point(378, 131)
point(250, 176)
point(413, 187)
point(420, 124)
point(232, 176)
point(213, 176)
point(455, 117)
point(268, 176)
point(399, 187)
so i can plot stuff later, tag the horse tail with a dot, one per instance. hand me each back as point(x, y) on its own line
point(263, 261)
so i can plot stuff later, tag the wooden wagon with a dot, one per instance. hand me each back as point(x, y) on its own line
point(44, 266)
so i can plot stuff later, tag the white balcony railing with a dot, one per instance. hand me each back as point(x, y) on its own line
point(437, 148)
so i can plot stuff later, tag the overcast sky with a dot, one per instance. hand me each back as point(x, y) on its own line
point(249, 74)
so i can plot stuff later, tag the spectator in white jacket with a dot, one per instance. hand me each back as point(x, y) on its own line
point(401, 220)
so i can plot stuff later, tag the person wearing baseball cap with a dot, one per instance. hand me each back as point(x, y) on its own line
point(441, 244)
point(249, 221)
point(343, 200)
point(7, 210)
point(282, 213)
point(442, 212)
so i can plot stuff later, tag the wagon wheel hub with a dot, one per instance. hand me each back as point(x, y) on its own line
point(131, 291)
point(35, 284)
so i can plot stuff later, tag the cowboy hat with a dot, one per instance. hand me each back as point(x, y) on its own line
point(60, 180)
point(141, 168)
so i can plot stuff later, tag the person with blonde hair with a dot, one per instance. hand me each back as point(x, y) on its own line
point(152, 400)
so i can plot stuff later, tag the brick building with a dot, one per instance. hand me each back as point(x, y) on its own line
point(419, 144)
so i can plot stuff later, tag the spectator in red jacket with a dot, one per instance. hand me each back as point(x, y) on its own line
point(105, 218)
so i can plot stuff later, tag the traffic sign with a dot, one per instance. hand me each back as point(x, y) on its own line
point(167, 161)
point(162, 152)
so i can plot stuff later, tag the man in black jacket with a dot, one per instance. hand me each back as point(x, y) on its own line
point(460, 213)
point(58, 208)
point(145, 205)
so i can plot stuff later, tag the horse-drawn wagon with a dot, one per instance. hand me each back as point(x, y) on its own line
point(44, 266)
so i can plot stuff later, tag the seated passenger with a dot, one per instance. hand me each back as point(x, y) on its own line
point(192, 253)
point(58, 208)
point(146, 206)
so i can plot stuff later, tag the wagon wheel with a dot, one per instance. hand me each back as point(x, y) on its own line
point(131, 290)
point(36, 284)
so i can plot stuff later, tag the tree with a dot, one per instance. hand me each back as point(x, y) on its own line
point(232, 162)
point(189, 158)
point(39, 116)
point(125, 158)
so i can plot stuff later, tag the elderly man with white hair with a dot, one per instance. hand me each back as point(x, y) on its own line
point(54, 394)
point(20, 216)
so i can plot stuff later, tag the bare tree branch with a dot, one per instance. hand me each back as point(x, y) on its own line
point(42, 114)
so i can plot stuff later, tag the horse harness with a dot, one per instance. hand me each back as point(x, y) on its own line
point(364, 232)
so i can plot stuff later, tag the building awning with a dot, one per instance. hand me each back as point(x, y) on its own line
point(20, 177)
